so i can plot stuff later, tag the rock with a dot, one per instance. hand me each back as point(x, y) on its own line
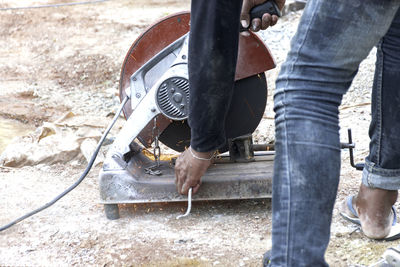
point(293, 5)
point(69, 138)
point(88, 148)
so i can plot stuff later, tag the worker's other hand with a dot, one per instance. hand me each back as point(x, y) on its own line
point(258, 24)
point(189, 170)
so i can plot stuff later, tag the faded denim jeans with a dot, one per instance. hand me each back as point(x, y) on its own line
point(332, 39)
point(382, 166)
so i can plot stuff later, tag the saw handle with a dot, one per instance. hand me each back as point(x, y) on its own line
point(258, 11)
point(267, 7)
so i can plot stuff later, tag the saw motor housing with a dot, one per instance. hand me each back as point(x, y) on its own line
point(172, 89)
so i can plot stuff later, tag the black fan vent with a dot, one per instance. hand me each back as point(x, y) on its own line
point(173, 98)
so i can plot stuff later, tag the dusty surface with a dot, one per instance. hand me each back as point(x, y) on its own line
point(63, 59)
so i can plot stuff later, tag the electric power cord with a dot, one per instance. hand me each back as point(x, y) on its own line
point(85, 172)
point(54, 5)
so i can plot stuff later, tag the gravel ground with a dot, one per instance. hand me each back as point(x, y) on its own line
point(68, 59)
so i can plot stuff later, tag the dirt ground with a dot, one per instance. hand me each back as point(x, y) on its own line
point(55, 60)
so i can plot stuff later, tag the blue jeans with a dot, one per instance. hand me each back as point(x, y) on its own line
point(382, 166)
point(332, 39)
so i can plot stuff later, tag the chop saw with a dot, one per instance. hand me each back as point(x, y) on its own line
point(154, 83)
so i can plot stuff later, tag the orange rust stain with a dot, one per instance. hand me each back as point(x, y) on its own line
point(132, 57)
point(249, 107)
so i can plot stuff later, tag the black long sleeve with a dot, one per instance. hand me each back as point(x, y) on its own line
point(213, 49)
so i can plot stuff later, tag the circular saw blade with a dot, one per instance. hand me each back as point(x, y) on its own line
point(249, 99)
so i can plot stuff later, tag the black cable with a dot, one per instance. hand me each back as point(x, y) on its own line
point(86, 171)
point(54, 5)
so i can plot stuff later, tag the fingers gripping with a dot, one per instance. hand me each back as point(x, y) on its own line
point(188, 172)
point(269, 18)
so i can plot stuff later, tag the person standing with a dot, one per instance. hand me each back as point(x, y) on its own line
point(332, 39)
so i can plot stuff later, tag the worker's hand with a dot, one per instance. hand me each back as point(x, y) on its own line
point(258, 24)
point(189, 170)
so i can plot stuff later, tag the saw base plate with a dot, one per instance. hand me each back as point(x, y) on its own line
point(130, 184)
